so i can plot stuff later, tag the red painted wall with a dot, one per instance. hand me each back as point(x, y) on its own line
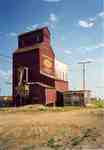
point(61, 85)
point(50, 96)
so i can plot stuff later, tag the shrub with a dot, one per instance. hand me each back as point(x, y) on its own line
point(76, 140)
point(43, 108)
point(99, 104)
point(51, 142)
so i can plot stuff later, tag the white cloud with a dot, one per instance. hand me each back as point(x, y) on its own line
point(92, 47)
point(92, 19)
point(101, 14)
point(86, 24)
point(100, 45)
point(32, 27)
point(85, 49)
point(37, 26)
point(51, 22)
point(52, 17)
point(51, 0)
point(12, 34)
point(90, 22)
point(68, 52)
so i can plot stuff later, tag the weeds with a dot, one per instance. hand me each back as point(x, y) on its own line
point(53, 143)
point(76, 140)
point(28, 147)
point(43, 109)
point(99, 104)
point(88, 133)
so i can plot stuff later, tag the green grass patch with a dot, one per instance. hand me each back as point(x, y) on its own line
point(53, 143)
point(99, 104)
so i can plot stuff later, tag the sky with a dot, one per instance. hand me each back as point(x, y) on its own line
point(76, 28)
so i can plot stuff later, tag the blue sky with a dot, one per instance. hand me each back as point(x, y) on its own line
point(77, 34)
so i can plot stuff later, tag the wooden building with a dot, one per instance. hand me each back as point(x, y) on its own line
point(35, 70)
point(76, 98)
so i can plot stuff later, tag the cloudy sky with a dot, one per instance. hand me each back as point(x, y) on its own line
point(77, 34)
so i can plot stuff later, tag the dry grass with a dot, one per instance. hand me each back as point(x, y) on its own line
point(33, 128)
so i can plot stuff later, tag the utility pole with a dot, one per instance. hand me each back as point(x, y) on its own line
point(83, 63)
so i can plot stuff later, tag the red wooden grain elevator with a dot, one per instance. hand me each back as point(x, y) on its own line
point(37, 75)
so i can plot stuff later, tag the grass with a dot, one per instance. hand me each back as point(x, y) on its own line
point(89, 133)
point(76, 140)
point(38, 108)
point(71, 141)
point(53, 143)
point(28, 147)
point(99, 104)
